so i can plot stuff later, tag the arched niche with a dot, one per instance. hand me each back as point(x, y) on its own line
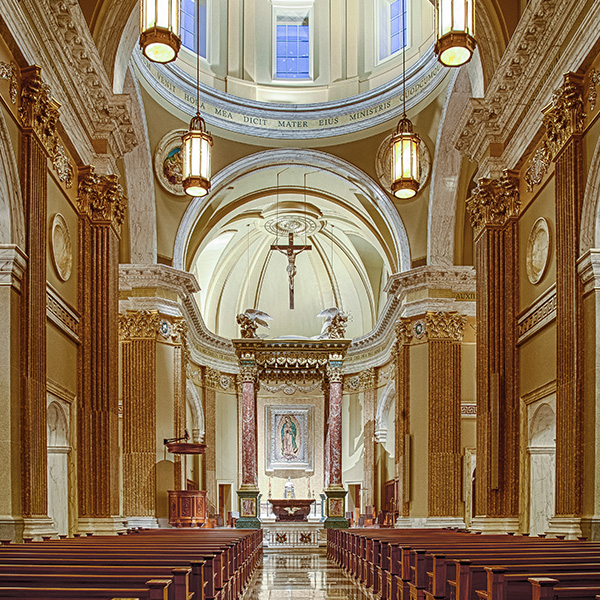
point(195, 404)
point(59, 447)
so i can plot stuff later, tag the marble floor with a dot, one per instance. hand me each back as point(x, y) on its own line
point(301, 575)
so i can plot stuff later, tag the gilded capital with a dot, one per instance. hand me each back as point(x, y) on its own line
point(248, 372)
point(494, 201)
point(564, 116)
point(404, 332)
point(139, 324)
point(445, 326)
point(212, 377)
point(101, 197)
point(368, 379)
point(334, 374)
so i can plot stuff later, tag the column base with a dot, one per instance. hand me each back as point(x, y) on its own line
point(102, 525)
point(334, 509)
point(143, 522)
point(495, 525)
point(11, 528)
point(590, 526)
point(249, 509)
point(36, 527)
point(570, 527)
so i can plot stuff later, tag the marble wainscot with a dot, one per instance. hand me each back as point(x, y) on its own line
point(297, 535)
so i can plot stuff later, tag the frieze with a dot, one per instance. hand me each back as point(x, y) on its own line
point(139, 324)
point(101, 197)
point(445, 326)
point(540, 314)
point(289, 388)
point(494, 201)
point(9, 71)
point(61, 314)
point(468, 410)
point(40, 111)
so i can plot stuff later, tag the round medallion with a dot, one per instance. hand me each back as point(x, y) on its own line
point(62, 250)
point(538, 251)
point(168, 162)
point(383, 161)
point(419, 329)
point(165, 328)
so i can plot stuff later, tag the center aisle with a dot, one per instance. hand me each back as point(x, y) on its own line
point(289, 574)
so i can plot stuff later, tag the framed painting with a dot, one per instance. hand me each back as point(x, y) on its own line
point(289, 437)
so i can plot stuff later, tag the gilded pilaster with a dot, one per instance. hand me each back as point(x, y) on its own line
point(210, 457)
point(368, 380)
point(445, 332)
point(101, 212)
point(137, 332)
point(494, 209)
point(563, 120)
point(402, 420)
point(39, 118)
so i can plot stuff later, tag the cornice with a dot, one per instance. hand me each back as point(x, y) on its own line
point(13, 263)
point(158, 277)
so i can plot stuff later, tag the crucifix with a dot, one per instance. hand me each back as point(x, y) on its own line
point(291, 252)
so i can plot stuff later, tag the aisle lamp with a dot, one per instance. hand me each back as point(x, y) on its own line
point(196, 143)
point(405, 146)
point(455, 23)
point(159, 38)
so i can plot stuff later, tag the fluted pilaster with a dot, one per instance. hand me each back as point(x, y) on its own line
point(368, 381)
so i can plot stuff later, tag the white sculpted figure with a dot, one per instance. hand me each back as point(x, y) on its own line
point(288, 489)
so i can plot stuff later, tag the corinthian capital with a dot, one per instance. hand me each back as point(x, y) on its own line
point(564, 116)
point(445, 326)
point(494, 201)
point(334, 374)
point(404, 331)
point(139, 324)
point(101, 197)
point(368, 379)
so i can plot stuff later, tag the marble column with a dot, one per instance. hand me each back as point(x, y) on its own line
point(368, 380)
point(336, 494)
point(137, 332)
point(402, 418)
point(102, 207)
point(180, 355)
point(248, 492)
point(494, 209)
point(444, 333)
point(39, 119)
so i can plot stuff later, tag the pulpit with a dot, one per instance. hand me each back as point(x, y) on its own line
point(187, 508)
point(291, 510)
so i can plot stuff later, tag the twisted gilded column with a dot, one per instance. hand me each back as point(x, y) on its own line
point(137, 332)
point(402, 416)
point(248, 492)
point(564, 119)
point(494, 209)
point(445, 333)
point(368, 381)
point(101, 212)
point(39, 118)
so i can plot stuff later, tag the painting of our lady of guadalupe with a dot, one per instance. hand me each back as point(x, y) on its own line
point(289, 431)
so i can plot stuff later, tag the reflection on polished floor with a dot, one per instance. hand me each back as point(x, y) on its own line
point(294, 575)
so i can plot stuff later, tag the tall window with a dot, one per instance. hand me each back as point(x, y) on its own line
point(393, 20)
point(188, 25)
point(292, 46)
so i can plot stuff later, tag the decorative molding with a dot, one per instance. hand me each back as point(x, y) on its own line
point(445, 326)
point(13, 264)
point(139, 324)
point(61, 247)
point(540, 393)
point(368, 379)
point(537, 252)
point(592, 94)
point(289, 388)
point(10, 72)
point(154, 276)
point(39, 111)
point(404, 331)
point(538, 167)
point(494, 201)
point(101, 197)
point(468, 410)
point(64, 316)
point(538, 315)
point(588, 267)
point(59, 391)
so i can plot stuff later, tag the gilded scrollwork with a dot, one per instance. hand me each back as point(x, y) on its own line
point(592, 94)
point(445, 326)
point(101, 197)
point(538, 167)
point(494, 201)
point(138, 324)
point(10, 72)
point(564, 116)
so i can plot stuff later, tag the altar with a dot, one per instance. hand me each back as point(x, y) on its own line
point(291, 509)
point(303, 528)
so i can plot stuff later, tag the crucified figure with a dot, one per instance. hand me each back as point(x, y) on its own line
point(291, 252)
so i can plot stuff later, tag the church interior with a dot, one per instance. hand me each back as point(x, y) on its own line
point(373, 303)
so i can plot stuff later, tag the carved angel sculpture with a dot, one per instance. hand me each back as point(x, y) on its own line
point(249, 321)
point(334, 326)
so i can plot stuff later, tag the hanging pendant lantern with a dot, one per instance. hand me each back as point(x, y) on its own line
point(196, 147)
point(405, 160)
point(160, 27)
point(455, 32)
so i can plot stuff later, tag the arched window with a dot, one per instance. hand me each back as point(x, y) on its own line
point(188, 25)
point(393, 22)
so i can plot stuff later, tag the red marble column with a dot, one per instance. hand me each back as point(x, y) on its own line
point(335, 428)
point(249, 451)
